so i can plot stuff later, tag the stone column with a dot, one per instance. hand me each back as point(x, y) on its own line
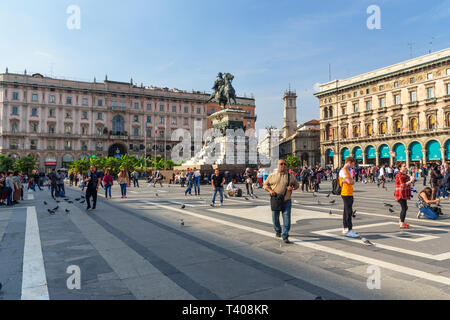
point(377, 159)
point(391, 161)
point(443, 154)
point(364, 157)
point(407, 158)
point(424, 152)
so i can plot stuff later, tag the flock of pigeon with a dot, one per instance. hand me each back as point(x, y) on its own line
point(54, 210)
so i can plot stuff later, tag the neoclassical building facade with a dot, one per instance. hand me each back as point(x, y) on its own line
point(59, 121)
point(397, 113)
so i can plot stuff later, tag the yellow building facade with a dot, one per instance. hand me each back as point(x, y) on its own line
point(397, 113)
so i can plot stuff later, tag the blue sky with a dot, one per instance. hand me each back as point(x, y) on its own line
point(267, 45)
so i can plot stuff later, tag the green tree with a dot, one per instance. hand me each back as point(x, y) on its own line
point(25, 164)
point(293, 162)
point(81, 165)
point(6, 163)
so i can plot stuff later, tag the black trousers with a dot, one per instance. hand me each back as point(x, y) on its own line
point(305, 183)
point(404, 205)
point(91, 192)
point(348, 212)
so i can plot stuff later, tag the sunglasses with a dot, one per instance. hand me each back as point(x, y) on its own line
point(283, 164)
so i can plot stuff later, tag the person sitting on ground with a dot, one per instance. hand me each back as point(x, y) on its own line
point(424, 203)
point(233, 190)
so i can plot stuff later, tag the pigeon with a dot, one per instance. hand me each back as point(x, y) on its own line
point(83, 197)
point(333, 201)
point(182, 222)
point(54, 209)
point(391, 211)
point(50, 211)
point(329, 195)
point(69, 201)
point(156, 195)
point(246, 198)
point(67, 211)
point(354, 214)
point(58, 201)
point(366, 241)
point(388, 205)
point(330, 213)
point(77, 199)
point(66, 199)
point(183, 206)
point(45, 202)
point(82, 202)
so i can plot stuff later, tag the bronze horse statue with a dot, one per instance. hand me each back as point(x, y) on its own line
point(225, 93)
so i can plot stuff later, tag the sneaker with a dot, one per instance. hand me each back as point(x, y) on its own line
point(286, 241)
point(345, 231)
point(212, 205)
point(221, 205)
point(278, 234)
point(419, 215)
point(88, 208)
point(352, 234)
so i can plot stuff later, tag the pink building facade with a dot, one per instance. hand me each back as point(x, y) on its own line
point(59, 121)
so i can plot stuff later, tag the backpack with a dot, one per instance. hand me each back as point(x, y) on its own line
point(336, 187)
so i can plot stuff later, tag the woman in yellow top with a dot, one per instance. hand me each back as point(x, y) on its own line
point(346, 182)
point(123, 180)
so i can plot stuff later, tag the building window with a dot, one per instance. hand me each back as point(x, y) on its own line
point(383, 128)
point(344, 133)
point(381, 88)
point(149, 119)
point(448, 88)
point(185, 122)
point(34, 127)
point(344, 110)
point(15, 96)
point(51, 99)
point(174, 120)
point(114, 103)
point(213, 110)
point(355, 94)
point(367, 105)
point(68, 114)
point(99, 146)
point(325, 113)
point(382, 103)
point(85, 115)
point(34, 112)
point(14, 127)
point(161, 120)
point(99, 131)
point(430, 93)
point(356, 131)
point(186, 109)
point(69, 100)
point(367, 91)
point(447, 72)
point(136, 105)
point(397, 126)
point(412, 80)
point(15, 111)
point(161, 133)
point(67, 145)
point(14, 144)
point(430, 76)
point(51, 128)
point(331, 100)
point(149, 107)
point(149, 132)
point(50, 144)
point(174, 109)
point(199, 110)
point(431, 122)
point(355, 107)
point(413, 124)
point(85, 102)
point(136, 132)
point(34, 97)
point(136, 118)
point(396, 84)
point(100, 116)
point(343, 97)
point(369, 130)
point(396, 99)
point(161, 108)
point(84, 146)
point(412, 96)
point(100, 102)
point(122, 104)
point(68, 129)
point(33, 144)
point(84, 130)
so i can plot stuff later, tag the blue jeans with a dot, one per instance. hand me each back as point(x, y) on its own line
point(286, 220)
point(107, 189)
point(220, 190)
point(441, 192)
point(183, 181)
point(189, 188)
point(123, 189)
point(429, 213)
point(197, 185)
point(9, 195)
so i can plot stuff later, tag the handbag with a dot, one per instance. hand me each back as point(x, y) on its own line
point(277, 201)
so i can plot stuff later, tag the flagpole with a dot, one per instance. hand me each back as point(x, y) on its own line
point(156, 133)
point(165, 141)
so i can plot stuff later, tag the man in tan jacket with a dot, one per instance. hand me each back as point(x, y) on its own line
point(277, 184)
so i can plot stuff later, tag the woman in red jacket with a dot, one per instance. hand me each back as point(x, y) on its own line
point(107, 182)
point(403, 192)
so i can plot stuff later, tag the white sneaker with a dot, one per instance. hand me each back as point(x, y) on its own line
point(221, 205)
point(419, 215)
point(352, 234)
point(345, 231)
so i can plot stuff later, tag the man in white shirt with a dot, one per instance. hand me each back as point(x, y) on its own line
point(233, 190)
point(381, 176)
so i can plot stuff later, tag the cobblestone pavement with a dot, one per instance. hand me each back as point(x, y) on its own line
point(137, 248)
